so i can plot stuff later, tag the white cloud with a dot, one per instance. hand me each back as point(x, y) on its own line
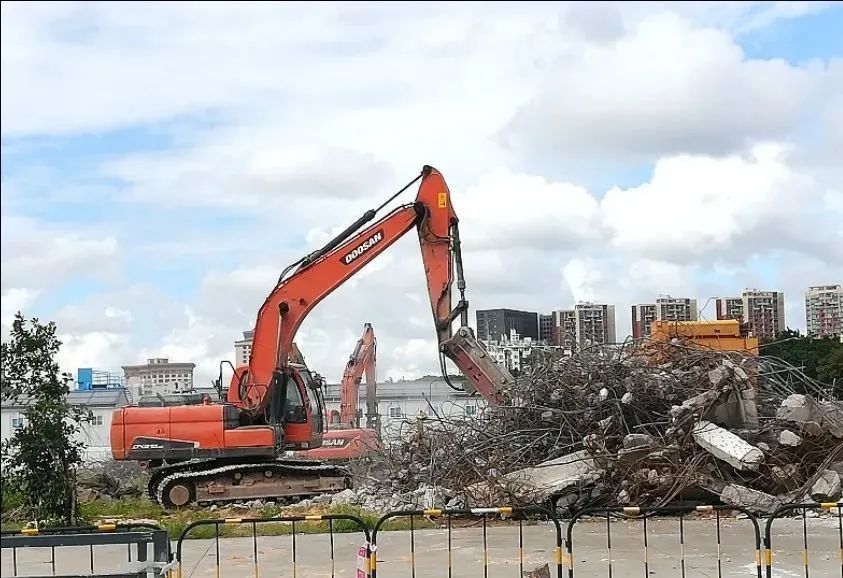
point(40, 254)
point(699, 207)
point(297, 120)
point(666, 87)
point(13, 301)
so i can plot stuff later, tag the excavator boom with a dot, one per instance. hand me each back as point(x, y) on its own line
point(320, 273)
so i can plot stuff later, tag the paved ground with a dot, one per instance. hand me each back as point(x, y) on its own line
point(737, 557)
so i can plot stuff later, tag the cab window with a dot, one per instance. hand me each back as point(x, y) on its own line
point(294, 410)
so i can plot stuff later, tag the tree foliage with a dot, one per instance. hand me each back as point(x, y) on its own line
point(40, 459)
point(818, 358)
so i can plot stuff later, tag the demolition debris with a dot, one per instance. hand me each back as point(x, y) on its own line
point(641, 424)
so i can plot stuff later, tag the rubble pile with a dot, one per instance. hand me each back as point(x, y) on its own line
point(110, 480)
point(643, 425)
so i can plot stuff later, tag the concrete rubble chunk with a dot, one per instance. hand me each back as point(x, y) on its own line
point(827, 487)
point(726, 446)
point(753, 500)
point(694, 403)
point(830, 415)
point(788, 438)
point(554, 476)
point(797, 408)
point(717, 375)
point(633, 441)
point(347, 496)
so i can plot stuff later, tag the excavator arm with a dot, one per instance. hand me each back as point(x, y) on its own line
point(320, 273)
point(362, 360)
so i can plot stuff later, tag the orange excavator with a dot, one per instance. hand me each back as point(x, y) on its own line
point(235, 450)
point(345, 439)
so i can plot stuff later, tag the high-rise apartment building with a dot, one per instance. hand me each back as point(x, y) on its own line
point(584, 325)
point(729, 308)
point(824, 310)
point(565, 328)
point(676, 308)
point(666, 308)
point(495, 324)
point(643, 316)
point(595, 323)
point(763, 312)
point(546, 328)
point(243, 348)
point(158, 375)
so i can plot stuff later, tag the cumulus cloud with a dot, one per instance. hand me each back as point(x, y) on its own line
point(297, 120)
point(39, 254)
point(666, 87)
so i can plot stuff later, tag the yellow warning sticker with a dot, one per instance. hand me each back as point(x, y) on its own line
point(443, 200)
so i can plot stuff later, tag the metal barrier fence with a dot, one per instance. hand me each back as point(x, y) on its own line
point(803, 508)
point(482, 514)
point(253, 523)
point(642, 514)
point(141, 536)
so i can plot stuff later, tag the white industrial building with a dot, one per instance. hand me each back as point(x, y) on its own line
point(93, 434)
point(399, 401)
point(158, 376)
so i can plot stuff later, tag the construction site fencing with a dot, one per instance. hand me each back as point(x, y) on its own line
point(293, 530)
point(832, 549)
point(100, 541)
point(683, 566)
point(448, 562)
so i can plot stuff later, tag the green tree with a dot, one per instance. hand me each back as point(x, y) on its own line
point(801, 351)
point(831, 371)
point(40, 459)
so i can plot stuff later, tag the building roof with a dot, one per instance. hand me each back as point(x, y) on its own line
point(88, 398)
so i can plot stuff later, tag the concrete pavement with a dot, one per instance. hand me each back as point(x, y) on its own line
point(590, 553)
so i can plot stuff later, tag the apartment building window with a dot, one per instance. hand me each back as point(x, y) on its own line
point(470, 410)
point(395, 412)
point(97, 420)
point(17, 422)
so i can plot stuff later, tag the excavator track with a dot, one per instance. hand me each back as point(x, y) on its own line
point(205, 481)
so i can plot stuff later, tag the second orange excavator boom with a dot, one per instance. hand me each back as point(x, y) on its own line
point(362, 360)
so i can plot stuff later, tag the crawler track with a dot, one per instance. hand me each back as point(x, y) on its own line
point(210, 480)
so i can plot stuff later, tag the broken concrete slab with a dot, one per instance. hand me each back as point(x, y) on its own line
point(695, 403)
point(726, 446)
point(554, 476)
point(753, 500)
point(827, 487)
point(788, 438)
point(633, 441)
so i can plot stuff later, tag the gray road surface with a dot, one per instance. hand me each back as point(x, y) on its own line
point(590, 555)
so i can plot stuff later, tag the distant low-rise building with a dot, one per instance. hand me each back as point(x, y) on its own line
point(94, 434)
point(158, 375)
point(403, 400)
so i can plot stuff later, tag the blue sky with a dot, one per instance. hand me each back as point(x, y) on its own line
point(156, 178)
